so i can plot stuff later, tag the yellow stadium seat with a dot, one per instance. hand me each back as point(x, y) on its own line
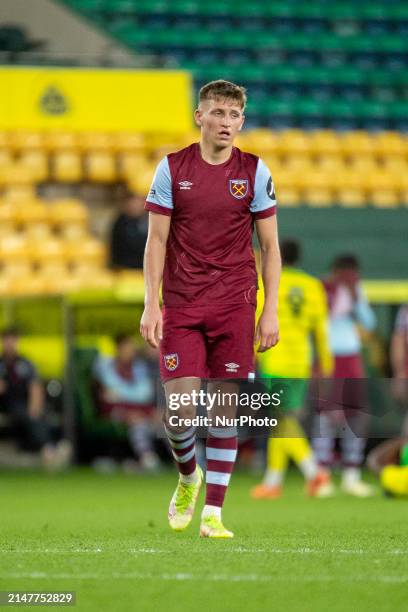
point(141, 182)
point(288, 197)
point(93, 279)
point(87, 254)
point(23, 140)
point(17, 174)
point(293, 142)
point(4, 140)
point(130, 164)
point(356, 143)
point(6, 159)
point(96, 141)
point(8, 219)
point(129, 142)
point(30, 285)
point(62, 141)
point(13, 246)
point(390, 143)
point(67, 166)
point(47, 250)
point(16, 194)
point(36, 162)
point(312, 179)
point(69, 213)
point(397, 164)
point(350, 197)
point(382, 198)
point(324, 142)
point(330, 163)
point(34, 218)
point(100, 166)
point(51, 268)
point(298, 163)
point(260, 141)
point(363, 163)
point(318, 198)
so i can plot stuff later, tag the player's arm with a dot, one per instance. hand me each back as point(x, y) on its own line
point(320, 331)
point(159, 203)
point(267, 331)
point(263, 208)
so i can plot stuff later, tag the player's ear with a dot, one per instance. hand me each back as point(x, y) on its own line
point(198, 117)
point(242, 123)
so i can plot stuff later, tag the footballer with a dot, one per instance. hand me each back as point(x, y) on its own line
point(203, 205)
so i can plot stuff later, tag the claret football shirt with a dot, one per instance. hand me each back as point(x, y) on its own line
point(209, 256)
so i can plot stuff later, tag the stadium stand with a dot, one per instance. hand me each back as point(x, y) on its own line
point(294, 55)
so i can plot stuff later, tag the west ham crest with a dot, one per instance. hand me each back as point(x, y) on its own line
point(171, 361)
point(238, 188)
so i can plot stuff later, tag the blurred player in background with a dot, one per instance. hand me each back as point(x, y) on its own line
point(127, 394)
point(349, 309)
point(389, 461)
point(203, 204)
point(129, 235)
point(22, 397)
point(303, 318)
point(399, 360)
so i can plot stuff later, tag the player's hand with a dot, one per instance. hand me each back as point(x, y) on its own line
point(267, 331)
point(151, 325)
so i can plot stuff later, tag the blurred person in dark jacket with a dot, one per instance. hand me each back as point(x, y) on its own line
point(22, 398)
point(129, 234)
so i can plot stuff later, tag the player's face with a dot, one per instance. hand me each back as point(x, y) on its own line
point(220, 121)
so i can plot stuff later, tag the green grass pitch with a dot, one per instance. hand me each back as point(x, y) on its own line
point(107, 538)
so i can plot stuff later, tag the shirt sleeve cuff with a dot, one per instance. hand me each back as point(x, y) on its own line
point(264, 214)
point(156, 208)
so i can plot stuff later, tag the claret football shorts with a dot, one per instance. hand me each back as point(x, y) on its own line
point(213, 341)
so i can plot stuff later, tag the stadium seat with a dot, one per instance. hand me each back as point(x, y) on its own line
point(130, 164)
point(34, 219)
point(318, 198)
point(8, 220)
point(45, 250)
point(129, 142)
point(86, 255)
point(36, 162)
point(324, 142)
point(96, 141)
point(350, 197)
point(22, 140)
point(381, 198)
point(356, 143)
point(100, 167)
point(65, 141)
point(68, 212)
point(288, 197)
point(67, 166)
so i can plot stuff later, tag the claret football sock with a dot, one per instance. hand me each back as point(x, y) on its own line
point(221, 453)
point(183, 450)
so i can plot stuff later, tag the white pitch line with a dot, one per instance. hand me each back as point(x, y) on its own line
point(201, 551)
point(182, 576)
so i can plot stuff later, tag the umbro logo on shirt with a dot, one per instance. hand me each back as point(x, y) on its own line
point(231, 367)
point(185, 184)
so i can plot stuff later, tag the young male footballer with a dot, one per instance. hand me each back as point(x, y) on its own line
point(203, 204)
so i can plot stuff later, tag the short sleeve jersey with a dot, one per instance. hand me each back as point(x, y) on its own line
point(209, 256)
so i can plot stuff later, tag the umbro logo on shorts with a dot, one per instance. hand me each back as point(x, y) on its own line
point(171, 361)
point(232, 367)
point(185, 184)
